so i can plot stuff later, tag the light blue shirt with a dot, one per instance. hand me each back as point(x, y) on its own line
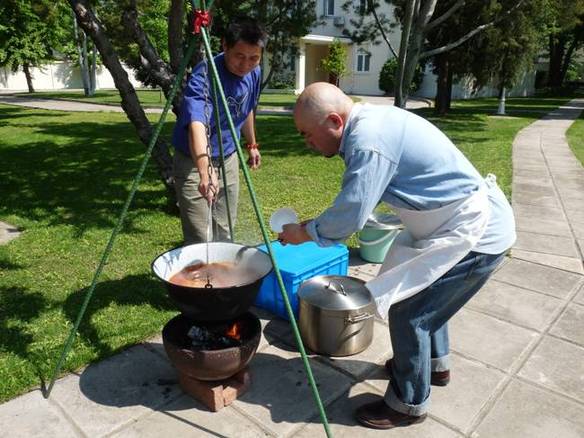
point(394, 156)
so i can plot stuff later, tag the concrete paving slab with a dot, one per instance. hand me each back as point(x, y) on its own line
point(31, 416)
point(544, 181)
point(7, 233)
point(579, 298)
point(280, 397)
point(528, 411)
point(535, 189)
point(343, 425)
point(473, 384)
point(553, 227)
point(539, 278)
point(548, 243)
point(520, 306)
point(570, 264)
point(570, 326)
point(535, 199)
point(355, 272)
point(116, 391)
point(536, 211)
point(557, 365)
point(188, 418)
point(487, 339)
point(359, 365)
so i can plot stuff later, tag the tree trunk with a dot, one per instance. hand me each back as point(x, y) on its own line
point(26, 70)
point(557, 46)
point(441, 101)
point(130, 103)
point(82, 53)
point(501, 108)
point(400, 99)
point(93, 71)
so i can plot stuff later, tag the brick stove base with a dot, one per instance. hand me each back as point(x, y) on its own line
point(216, 394)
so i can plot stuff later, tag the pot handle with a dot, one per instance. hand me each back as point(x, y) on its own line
point(358, 318)
point(341, 291)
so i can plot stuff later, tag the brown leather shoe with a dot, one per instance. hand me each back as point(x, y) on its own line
point(377, 415)
point(437, 378)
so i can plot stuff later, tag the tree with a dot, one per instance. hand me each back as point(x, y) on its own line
point(335, 63)
point(28, 31)
point(151, 35)
point(417, 18)
point(565, 36)
point(498, 55)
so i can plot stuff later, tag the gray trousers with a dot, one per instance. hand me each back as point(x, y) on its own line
point(193, 206)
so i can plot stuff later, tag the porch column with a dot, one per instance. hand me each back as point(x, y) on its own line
point(301, 67)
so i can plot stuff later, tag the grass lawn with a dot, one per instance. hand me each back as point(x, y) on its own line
point(63, 180)
point(576, 138)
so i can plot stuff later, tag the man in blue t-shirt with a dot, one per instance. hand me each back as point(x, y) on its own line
point(197, 187)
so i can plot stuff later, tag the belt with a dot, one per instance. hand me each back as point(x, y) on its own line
point(217, 163)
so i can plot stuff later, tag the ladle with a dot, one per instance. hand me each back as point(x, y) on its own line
point(209, 224)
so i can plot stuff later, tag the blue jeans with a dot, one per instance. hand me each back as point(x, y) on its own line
point(419, 331)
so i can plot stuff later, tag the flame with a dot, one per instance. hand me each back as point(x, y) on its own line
point(234, 331)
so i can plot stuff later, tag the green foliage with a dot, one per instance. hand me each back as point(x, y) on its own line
point(387, 77)
point(335, 62)
point(29, 31)
point(285, 22)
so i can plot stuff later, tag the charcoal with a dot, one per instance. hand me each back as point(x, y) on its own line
point(203, 339)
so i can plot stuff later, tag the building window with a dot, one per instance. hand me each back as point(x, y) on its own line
point(329, 7)
point(363, 61)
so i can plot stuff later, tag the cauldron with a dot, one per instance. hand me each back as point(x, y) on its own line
point(214, 304)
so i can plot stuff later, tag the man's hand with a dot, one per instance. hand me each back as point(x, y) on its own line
point(294, 234)
point(255, 159)
point(209, 186)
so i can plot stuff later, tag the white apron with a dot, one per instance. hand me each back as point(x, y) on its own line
point(432, 242)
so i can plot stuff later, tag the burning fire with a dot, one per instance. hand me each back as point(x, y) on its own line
point(234, 331)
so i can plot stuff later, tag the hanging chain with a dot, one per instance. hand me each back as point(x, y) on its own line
point(211, 187)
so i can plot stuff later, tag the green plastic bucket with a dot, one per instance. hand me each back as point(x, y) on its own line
point(376, 237)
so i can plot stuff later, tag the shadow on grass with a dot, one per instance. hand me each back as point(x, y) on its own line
point(133, 290)
point(82, 181)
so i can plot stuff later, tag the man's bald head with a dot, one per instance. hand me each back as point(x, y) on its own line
point(320, 114)
point(320, 99)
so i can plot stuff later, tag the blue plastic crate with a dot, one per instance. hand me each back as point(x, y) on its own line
point(298, 263)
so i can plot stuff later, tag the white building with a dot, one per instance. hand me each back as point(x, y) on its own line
point(58, 75)
point(366, 61)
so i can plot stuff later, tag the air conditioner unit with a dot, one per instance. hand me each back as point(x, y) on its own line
point(339, 20)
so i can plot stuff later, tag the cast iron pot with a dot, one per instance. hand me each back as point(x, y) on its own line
point(214, 304)
point(336, 315)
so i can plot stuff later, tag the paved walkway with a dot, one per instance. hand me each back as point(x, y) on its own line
point(517, 347)
point(70, 105)
point(7, 233)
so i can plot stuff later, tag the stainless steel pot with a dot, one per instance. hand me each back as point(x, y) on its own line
point(336, 315)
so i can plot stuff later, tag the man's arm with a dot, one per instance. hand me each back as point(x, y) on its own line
point(208, 186)
point(248, 131)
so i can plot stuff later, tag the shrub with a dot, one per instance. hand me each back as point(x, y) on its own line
point(387, 77)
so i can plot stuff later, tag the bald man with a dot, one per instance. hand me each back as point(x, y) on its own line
point(458, 226)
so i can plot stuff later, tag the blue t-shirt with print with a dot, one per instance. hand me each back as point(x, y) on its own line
point(242, 94)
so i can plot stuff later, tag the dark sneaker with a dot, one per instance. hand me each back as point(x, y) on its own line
point(437, 378)
point(378, 415)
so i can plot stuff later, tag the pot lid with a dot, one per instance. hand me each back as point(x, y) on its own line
point(383, 221)
point(335, 292)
